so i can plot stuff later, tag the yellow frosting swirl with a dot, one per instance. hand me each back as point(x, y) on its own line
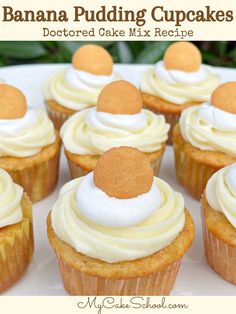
point(10, 198)
point(76, 90)
point(111, 244)
point(92, 132)
point(26, 136)
point(179, 87)
point(209, 128)
point(221, 192)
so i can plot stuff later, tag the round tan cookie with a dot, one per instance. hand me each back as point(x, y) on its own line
point(93, 59)
point(12, 102)
point(224, 97)
point(120, 97)
point(123, 173)
point(183, 56)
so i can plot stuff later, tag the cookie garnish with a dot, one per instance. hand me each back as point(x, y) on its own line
point(123, 173)
point(120, 97)
point(13, 103)
point(93, 59)
point(224, 97)
point(182, 56)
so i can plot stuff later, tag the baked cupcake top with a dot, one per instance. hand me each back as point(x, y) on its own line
point(221, 192)
point(180, 77)
point(23, 132)
point(107, 215)
point(118, 120)
point(77, 87)
point(212, 126)
point(10, 200)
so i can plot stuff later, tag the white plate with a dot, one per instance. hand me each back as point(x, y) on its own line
point(42, 278)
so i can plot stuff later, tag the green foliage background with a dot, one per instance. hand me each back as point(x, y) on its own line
point(221, 53)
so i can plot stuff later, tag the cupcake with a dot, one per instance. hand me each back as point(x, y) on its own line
point(177, 82)
point(119, 230)
point(205, 139)
point(77, 87)
point(16, 231)
point(29, 145)
point(118, 120)
point(219, 222)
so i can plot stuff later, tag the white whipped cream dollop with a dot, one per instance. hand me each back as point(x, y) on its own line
point(134, 228)
point(221, 192)
point(176, 77)
point(209, 128)
point(26, 136)
point(180, 87)
point(10, 200)
point(75, 89)
point(122, 213)
point(84, 80)
point(92, 132)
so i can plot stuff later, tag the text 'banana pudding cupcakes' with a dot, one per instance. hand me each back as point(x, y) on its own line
point(219, 222)
point(29, 145)
point(177, 82)
point(205, 139)
point(16, 231)
point(118, 120)
point(77, 87)
point(119, 230)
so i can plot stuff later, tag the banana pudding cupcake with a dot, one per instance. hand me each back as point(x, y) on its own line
point(219, 222)
point(77, 87)
point(118, 120)
point(16, 231)
point(119, 230)
point(177, 82)
point(29, 145)
point(205, 139)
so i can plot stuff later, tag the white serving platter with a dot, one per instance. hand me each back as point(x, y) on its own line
point(42, 277)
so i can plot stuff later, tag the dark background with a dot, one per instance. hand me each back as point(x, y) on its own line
point(219, 53)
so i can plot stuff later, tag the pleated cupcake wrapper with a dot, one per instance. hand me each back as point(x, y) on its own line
point(16, 250)
point(220, 256)
point(79, 283)
point(40, 179)
point(76, 171)
point(58, 118)
point(192, 175)
point(171, 118)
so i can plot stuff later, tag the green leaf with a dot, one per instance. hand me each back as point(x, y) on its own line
point(232, 54)
point(71, 46)
point(209, 57)
point(2, 63)
point(136, 47)
point(51, 45)
point(153, 52)
point(124, 52)
point(21, 49)
point(222, 47)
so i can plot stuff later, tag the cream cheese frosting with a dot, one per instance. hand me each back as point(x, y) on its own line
point(10, 200)
point(221, 192)
point(180, 87)
point(92, 132)
point(75, 89)
point(112, 241)
point(209, 128)
point(26, 136)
